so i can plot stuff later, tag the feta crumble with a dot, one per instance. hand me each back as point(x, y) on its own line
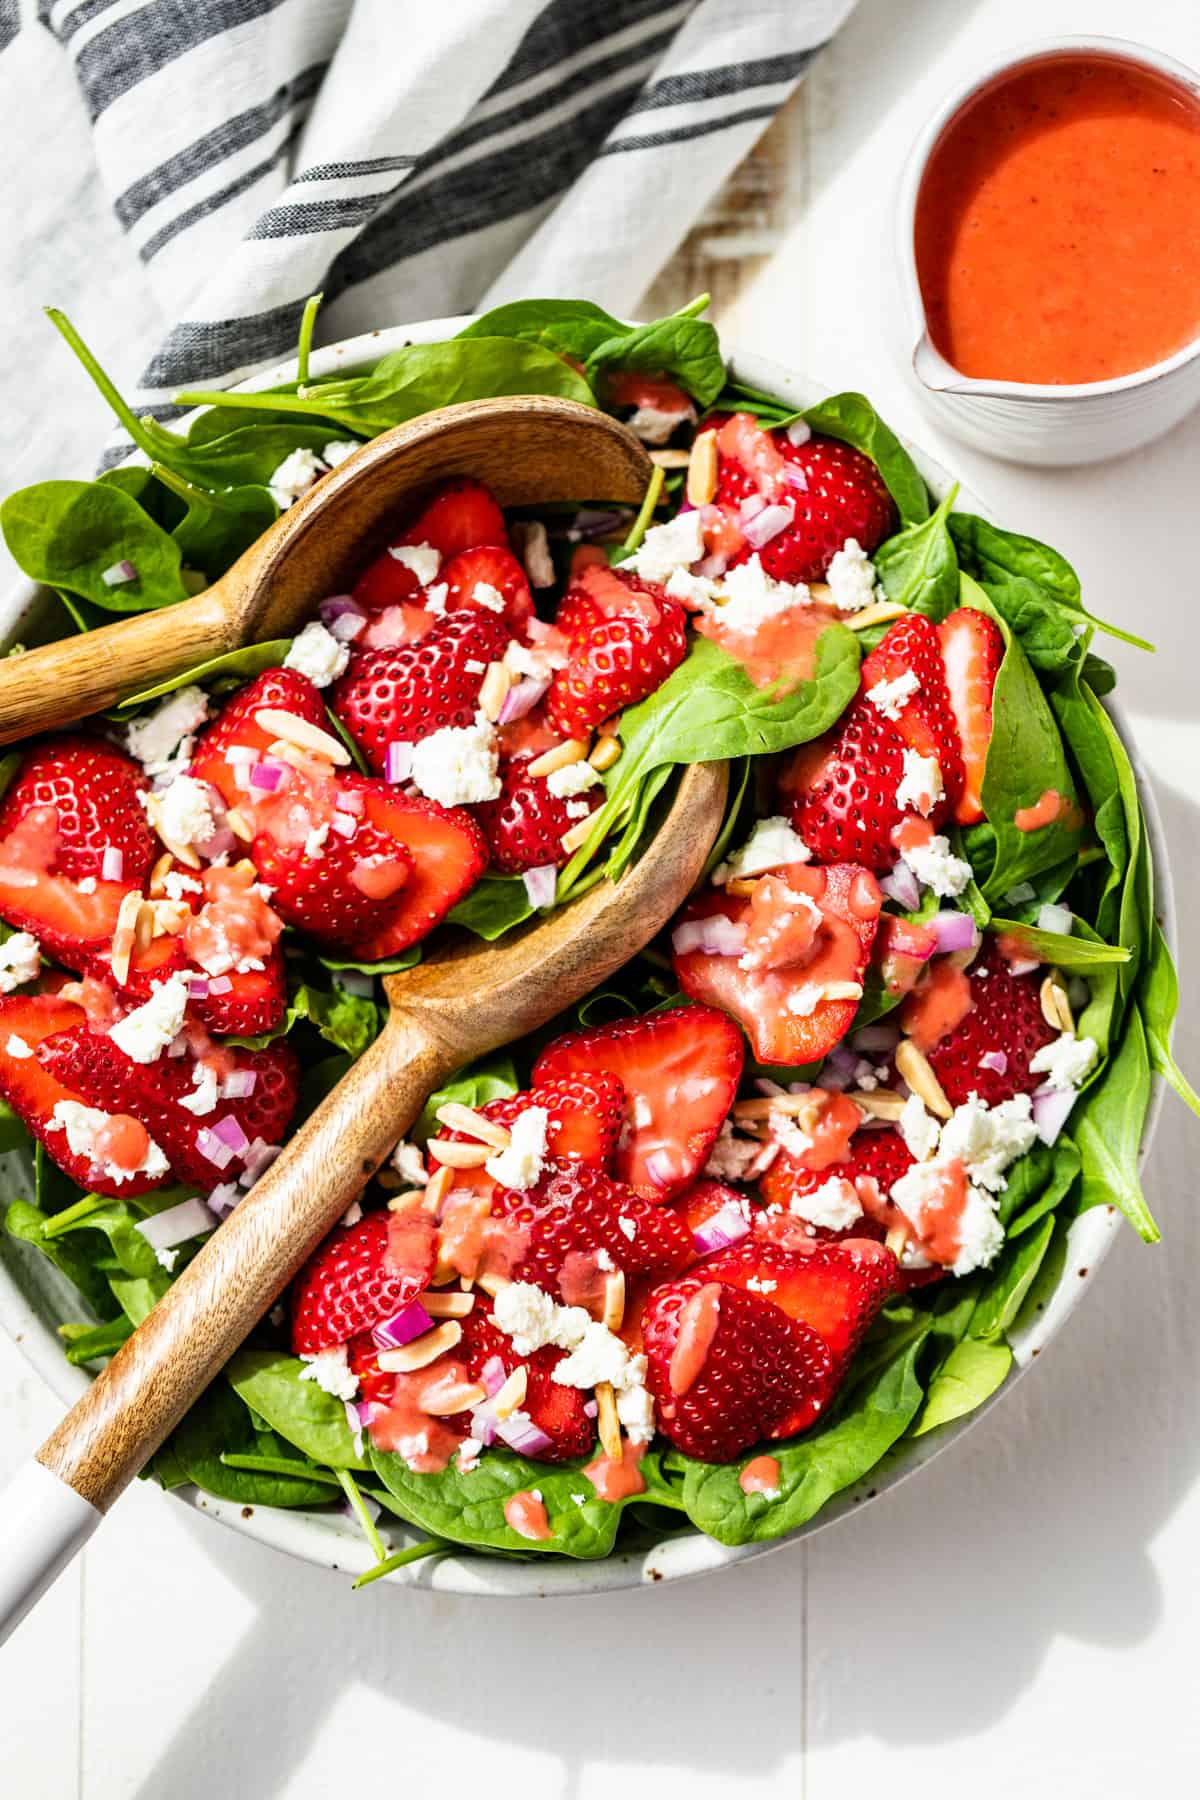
point(573, 778)
point(773, 844)
point(167, 735)
point(20, 961)
point(145, 1033)
point(468, 1454)
point(83, 1124)
point(834, 1205)
point(919, 1129)
point(627, 1227)
point(1066, 1062)
point(891, 697)
point(753, 596)
point(409, 1164)
point(654, 425)
point(422, 560)
point(665, 548)
point(458, 765)
point(317, 654)
point(935, 867)
point(337, 450)
point(17, 1047)
point(921, 783)
point(532, 1319)
point(185, 811)
point(206, 1091)
point(331, 1372)
point(484, 594)
point(806, 999)
point(294, 476)
point(920, 1196)
point(176, 884)
point(314, 843)
point(520, 1165)
point(784, 1129)
point(851, 578)
point(987, 1139)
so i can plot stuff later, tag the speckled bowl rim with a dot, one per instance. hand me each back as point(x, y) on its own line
point(333, 1542)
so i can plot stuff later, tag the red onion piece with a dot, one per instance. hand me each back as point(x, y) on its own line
point(214, 1149)
point(346, 629)
point(750, 508)
point(1023, 965)
point(712, 567)
point(220, 984)
point(221, 843)
point(223, 1199)
point(176, 1225)
point(397, 764)
point(1051, 1110)
point(901, 886)
point(352, 802)
point(523, 1436)
point(767, 525)
point(714, 936)
point(240, 1085)
point(345, 824)
point(590, 1409)
point(493, 1375)
point(541, 885)
point(729, 1226)
point(521, 699)
point(364, 1411)
point(412, 1321)
point(798, 432)
point(198, 987)
point(1056, 918)
point(338, 606)
point(260, 1156)
point(995, 1060)
point(118, 573)
point(242, 753)
point(795, 478)
point(242, 773)
point(231, 1133)
point(483, 1425)
point(954, 931)
point(112, 863)
point(267, 775)
point(876, 1040)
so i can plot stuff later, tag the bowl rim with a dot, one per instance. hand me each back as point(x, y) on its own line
point(931, 369)
point(331, 1541)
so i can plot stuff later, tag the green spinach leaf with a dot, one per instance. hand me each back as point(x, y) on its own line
point(269, 1381)
point(67, 533)
point(853, 419)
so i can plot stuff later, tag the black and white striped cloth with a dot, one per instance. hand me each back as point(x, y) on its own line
point(412, 158)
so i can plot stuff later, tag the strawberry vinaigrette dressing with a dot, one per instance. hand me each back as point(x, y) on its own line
point(525, 1513)
point(938, 1004)
point(941, 1215)
point(122, 1142)
point(618, 1478)
point(698, 1323)
point(837, 1119)
point(1046, 810)
point(406, 1426)
point(235, 922)
point(761, 1475)
point(780, 651)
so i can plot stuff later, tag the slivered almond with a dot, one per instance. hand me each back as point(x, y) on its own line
point(572, 750)
point(455, 1305)
point(842, 990)
point(614, 1300)
point(795, 1104)
point(578, 835)
point(506, 1399)
point(240, 825)
point(160, 871)
point(742, 887)
point(123, 936)
point(437, 1187)
point(143, 929)
point(464, 1118)
point(1056, 1008)
point(494, 687)
point(411, 1200)
point(291, 754)
point(453, 1397)
point(607, 1422)
point(896, 1239)
point(423, 1350)
point(294, 730)
point(444, 1272)
point(168, 917)
point(878, 613)
point(491, 1281)
point(880, 1104)
point(606, 753)
point(914, 1065)
point(458, 1156)
point(182, 852)
point(702, 469)
point(670, 459)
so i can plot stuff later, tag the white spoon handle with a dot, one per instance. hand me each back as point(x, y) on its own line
point(43, 1522)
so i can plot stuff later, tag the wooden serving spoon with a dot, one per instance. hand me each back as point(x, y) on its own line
point(528, 449)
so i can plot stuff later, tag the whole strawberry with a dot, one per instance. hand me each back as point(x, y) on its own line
point(624, 637)
point(406, 693)
point(526, 825)
point(361, 1276)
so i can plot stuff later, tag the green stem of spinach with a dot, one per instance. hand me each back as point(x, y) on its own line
point(414, 1553)
point(282, 403)
point(641, 524)
point(358, 1506)
point(71, 1215)
point(124, 412)
point(278, 1465)
point(308, 320)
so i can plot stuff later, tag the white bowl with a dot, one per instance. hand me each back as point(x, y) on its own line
point(1029, 422)
point(34, 1298)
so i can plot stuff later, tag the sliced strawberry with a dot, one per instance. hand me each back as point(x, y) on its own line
point(705, 1200)
point(526, 825)
point(680, 1070)
point(759, 1371)
point(361, 1276)
point(255, 1000)
point(972, 651)
point(498, 571)
point(345, 893)
point(153, 1093)
point(448, 852)
point(624, 637)
point(1005, 1016)
point(387, 583)
point(925, 723)
point(781, 1001)
point(575, 1212)
point(552, 1406)
point(586, 1116)
point(403, 695)
point(836, 1289)
point(840, 792)
point(33, 1091)
point(461, 515)
point(374, 1384)
point(275, 690)
point(877, 1160)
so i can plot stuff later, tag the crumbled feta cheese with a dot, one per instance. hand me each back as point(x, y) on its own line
point(752, 596)
point(834, 1205)
point(16, 1046)
point(87, 885)
point(338, 450)
point(987, 1139)
point(572, 778)
point(144, 1033)
point(920, 1195)
point(773, 844)
point(693, 590)
point(767, 938)
point(654, 425)
point(314, 843)
point(166, 1259)
point(761, 1284)
point(458, 765)
point(207, 1089)
point(521, 1164)
point(83, 1124)
point(20, 961)
point(919, 1129)
point(851, 578)
point(484, 594)
point(1066, 1062)
point(168, 733)
point(435, 597)
point(732, 1158)
point(176, 884)
point(352, 1214)
point(468, 1454)
point(891, 697)
point(409, 1164)
point(577, 809)
point(533, 1319)
point(635, 1407)
point(784, 1129)
point(535, 554)
point(294, 476)
point(185, 811)
point(599, 1356)
point(935, 867)
point(331, 1371)
point(422, 560)
point(665, 548)
point(806, 999)
point(921, 784)
point(627, 1227)
point(317, 654)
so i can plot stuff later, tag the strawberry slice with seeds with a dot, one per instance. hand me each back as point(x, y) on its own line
point(345, 892)
point(926, 723)
point(255, 1000)
point(624, 637)
point(448, 854)
point(361, 1276)
point(1005, 1016)
point(808, 939)
point(586, 1114)
point(32, 1090)
point(553, 1407)
point(526, 824)
point(876, 1162)
point(840, 791)
point(575, 1213)
point(461, 516)
point(835, 1289)
point(972, 651)
point(404, 694)
point(495, 571)
point(680, 1070)
point(727, 1367)
point(275, 690)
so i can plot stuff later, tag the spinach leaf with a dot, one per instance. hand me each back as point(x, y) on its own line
point(27, 1223)
point(231, 668)
point(993, 555)
point(569, 327)
point(1021, 1205)
point(67, 533)
point(918, 567)
point(391, 965)
point(1158, 1002)
point(13, 1135)
point(682, 348)
point(138, 1295)
point(91, 1343)
point(1049, 635)
point(972, 1372)
point(349, 1021)
point(269, 1381)
point(1107, 1128)
point(1073, 952)
point(217, 528)
point(1008, 1282)
point(853, 419)
point(494, 905)
point(219, 1423)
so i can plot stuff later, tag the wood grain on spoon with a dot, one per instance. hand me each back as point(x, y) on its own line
point(528, 449)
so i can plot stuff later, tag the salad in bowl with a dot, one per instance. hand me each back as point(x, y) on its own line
point(743, 1228)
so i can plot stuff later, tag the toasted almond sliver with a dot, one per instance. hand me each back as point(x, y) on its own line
point(240, 825)
point(490, 1282)
point(881, 1104)
point(454, 1397)
point(493, 689)
point(702, 469)
point(797, 1104)
point(607, 1422)
point(454, 1305)
point(423, 1350)
point(458, 1156)
point(1056, 1008)
point(578, 835)
point(160, 871)
point(444, 1273)
point(842, 990)
point(606, 753)
point(573, 750)
point(876, 614)
point(614, 1300)
point(741, 887)
point(170, 916)
point(123, 935)
point(411, 1200)
point(464, 1118)
point(506, 1399)
point(280, 751)
point(143, 927)
point(896, 1239)
point(670, 459)
point(437, 1187)
point(294, 730)
point(914, 1065)
point(181, 852)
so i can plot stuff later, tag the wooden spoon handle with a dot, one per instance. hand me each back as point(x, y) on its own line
point(113, 1430)
point(59, 683)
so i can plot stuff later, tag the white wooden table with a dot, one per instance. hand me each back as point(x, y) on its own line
point(1021, 1619)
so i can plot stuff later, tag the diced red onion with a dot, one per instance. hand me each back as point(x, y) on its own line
point(1051, 1110)
point(338, 606)
point(397, 762)
point(220, 984)
point(412, 1321)
point(214, 1149)
point(590, 523)
point(954, 931)
point(728, 1226)
point(660, 1167)
point(231, 1133)
point(995, 1060)
point(750, 508)
point(242, 753)
point(711, 568)
point(223, 1199)
point(713, 936)
point(766, 526)
point(876, 1040)
point(493, 1375)
point(590, 1409)
point(347, 628)
point(799, 432)
point(260, 1156)
point(901, 886)
point(221, 843)
point(241, 773)
point(345, 824)
point(176, 1225)
point(364, 1412)
point(521, 698)
point(839, 1069)
point(1056, 918)
point(352, 802)
point(795, 478)
point(483, 1425)
point(240, 1085)
point(198, 987)
point(112, 863)
point(267, 775)
point(541, 885)
point(118, 573)
point(523, 1436)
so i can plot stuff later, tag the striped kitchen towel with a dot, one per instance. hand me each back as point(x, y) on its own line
point(412, 158)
